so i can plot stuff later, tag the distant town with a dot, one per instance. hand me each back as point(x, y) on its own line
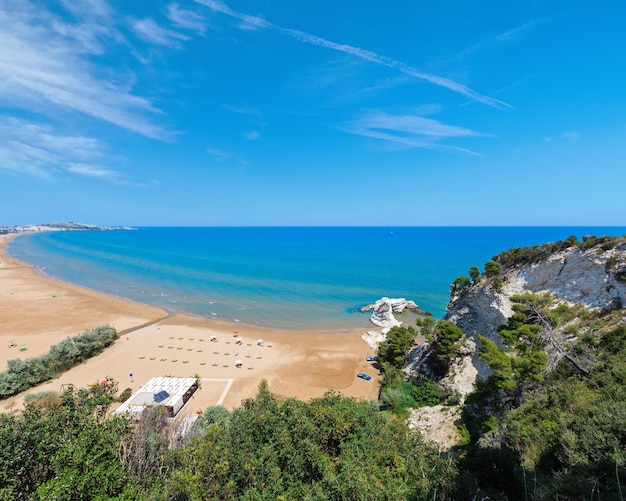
point(63, 226)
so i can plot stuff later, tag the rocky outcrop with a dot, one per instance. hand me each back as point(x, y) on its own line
point(592, 277)
point(437, 424)
point(587, 277)
point(383, 311)
point(373, 339)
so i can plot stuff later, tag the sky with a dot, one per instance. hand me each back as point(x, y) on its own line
point(315, 112)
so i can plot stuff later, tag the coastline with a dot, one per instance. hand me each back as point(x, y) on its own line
point(37, 312)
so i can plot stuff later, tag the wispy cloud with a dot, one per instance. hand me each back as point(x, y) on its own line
point(219, 154)
point(410, 130)
point(92, 171)
point(224, 156)
point(36, 150)
point(43, 66)
point(572, 136)
point(149, 31)
point(253, 135)
point(364, 54)
point(88, 8)
point(186, 19)
point(508, 36)
point(569, 136)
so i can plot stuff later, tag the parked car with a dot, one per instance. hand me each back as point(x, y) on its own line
point(364, 376)
point(371, 359)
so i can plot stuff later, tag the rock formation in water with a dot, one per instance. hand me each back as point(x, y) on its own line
point(383, 311)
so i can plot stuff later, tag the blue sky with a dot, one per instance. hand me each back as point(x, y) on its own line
point(316, 112)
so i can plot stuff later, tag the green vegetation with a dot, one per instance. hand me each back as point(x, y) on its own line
point(474, 273)
point(493, 269)
point(394, 350)
point(62, 447)
point(426, 326)
point(538, 428)
point(446, 341)
point(557, 434)
point(332, 447)
point(527, 255)
point(463, 283)
point(459, 285)
point(24, 374)
point(398, 394)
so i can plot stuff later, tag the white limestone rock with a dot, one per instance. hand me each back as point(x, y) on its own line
point(373, 339)
point(384, 308)
point(574, 276)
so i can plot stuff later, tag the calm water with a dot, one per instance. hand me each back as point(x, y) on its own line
point(297, 278)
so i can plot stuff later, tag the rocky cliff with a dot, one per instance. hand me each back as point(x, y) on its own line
point(588, 274)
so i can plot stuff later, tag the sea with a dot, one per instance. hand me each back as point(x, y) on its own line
point(298, 278)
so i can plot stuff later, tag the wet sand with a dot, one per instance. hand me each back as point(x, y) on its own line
point(37, 312)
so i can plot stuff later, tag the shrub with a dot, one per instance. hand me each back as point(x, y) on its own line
point(426, 394)
point(23, 374)
point(497, 284)
point(43, 399)
point(493, 269)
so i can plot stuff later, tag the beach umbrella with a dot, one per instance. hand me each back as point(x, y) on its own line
point(259, 342)
point(238, 363)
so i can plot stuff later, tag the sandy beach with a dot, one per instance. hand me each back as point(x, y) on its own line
point(37, 312)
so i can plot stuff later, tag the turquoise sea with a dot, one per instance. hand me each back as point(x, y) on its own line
point(284, 277)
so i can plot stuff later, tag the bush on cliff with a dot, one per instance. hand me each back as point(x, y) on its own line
point(557, 434)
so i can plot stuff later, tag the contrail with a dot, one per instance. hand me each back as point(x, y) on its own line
point(364, 54)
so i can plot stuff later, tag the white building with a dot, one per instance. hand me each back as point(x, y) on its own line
point(170, 392)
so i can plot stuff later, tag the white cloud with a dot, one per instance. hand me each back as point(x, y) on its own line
point(367, 55)
point(515, 33)
point(569, 136)
point(219, 154)
point(225, 156)
point(91, 171)
point(186, 19)
point(415, 125)
point(149, 31)
point(252, 135)
point(34, 149)
point(573, 136)
point(248, 21)
point(43, 66)
point(410, 130)
point(94, 26)
point(99, 9)
point(508, 36)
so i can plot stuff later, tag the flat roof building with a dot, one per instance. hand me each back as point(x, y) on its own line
point(170, 392)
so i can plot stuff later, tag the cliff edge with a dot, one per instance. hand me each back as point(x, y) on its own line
point(591, 274)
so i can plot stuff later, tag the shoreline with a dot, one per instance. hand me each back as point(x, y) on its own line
point(357, 319)
point(37, 312)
